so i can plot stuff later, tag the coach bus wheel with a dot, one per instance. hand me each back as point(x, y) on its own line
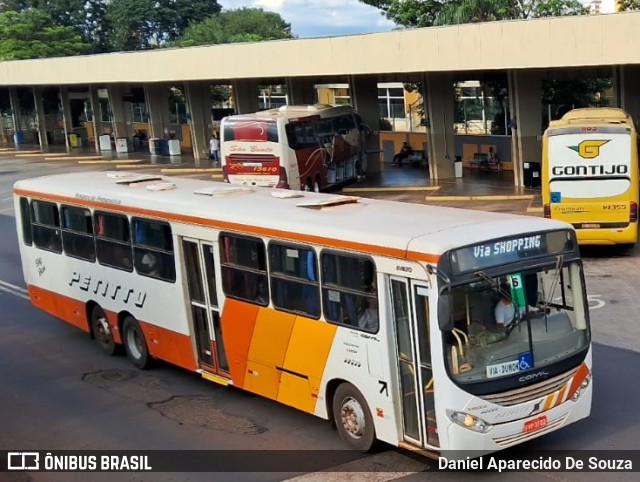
point(102, 331)
point(353, 418)
point(134, 343)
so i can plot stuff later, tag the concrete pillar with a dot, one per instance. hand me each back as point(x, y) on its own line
point(628, 80)
point(119, 111)
point(302, 91)
point(525, 98)
point(15, 109)
point(245, 96)
point(42, 122)
point(66, 115)
point(440, 134)
point(96, 115)
point(199, 107)
point(364, 98)
point(157, 99)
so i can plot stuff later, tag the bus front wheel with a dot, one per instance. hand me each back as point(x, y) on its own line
point(102, 331)
point(353, 418)
point(134, 343)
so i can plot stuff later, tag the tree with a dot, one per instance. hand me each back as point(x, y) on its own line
point(241, 25)
point(31, 34)
point(141, 24)
point(419, 13)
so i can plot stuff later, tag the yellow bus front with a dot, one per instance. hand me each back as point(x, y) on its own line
point(590, 179)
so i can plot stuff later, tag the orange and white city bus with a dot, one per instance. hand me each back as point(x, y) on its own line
point(375, 314)
point(590, 174)
point(301, 147)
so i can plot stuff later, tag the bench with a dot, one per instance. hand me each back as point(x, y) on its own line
point(481, 161)
point(416, 158)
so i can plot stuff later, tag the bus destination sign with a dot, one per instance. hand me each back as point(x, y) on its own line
point(510, 249)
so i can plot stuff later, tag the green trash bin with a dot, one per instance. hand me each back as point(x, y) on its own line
point(74, 140)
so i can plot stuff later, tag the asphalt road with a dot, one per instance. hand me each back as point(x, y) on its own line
point(58, 391)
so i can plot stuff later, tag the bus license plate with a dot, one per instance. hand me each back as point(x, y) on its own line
point(535, 424)
point(590, 225)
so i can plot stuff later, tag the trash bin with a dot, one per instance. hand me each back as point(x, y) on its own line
point(174, 147)
point(121, 144)
point(105, 142)
point(531, 174)
point(18, 137)
point(457, 166)
point(74, 140)
point(164, 147)
point(154, 146)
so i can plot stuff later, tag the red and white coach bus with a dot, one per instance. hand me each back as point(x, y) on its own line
point(377, 315)
point(301, 147)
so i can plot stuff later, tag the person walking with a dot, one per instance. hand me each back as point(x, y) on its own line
point(214, 149)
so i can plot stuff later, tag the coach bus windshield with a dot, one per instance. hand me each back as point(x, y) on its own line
point(516, 322)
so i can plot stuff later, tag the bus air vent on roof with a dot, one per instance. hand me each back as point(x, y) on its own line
point(329, 202)
point(286, 194)
point(138, 179)
point(218, 191)
point(161, 186)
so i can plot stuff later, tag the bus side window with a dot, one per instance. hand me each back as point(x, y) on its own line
point(25, 219)
point(244, 268)
point(113, 240)
point(77, 233)
point(294, 284)
point(46, 226)
point(153, 254)
point(348, 291)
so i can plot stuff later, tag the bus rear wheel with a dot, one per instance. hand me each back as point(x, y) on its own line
point(353, 418)
point(135, 344)
point(102, 331)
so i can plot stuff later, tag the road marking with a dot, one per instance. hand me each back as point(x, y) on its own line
point(14, 290)
point(376, 468)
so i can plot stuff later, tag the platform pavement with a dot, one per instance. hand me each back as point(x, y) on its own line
point(482, 190)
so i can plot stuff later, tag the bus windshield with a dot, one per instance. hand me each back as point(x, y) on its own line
point(516, 322)
point(250, 130)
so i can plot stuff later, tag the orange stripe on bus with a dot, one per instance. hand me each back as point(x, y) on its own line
point(168, 345)
point(560, 398)
point(223, 225)
point(67, 309)
point(238, 321)
point(549, 402)
point(578, 378)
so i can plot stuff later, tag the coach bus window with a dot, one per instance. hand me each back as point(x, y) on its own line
point(77, 233)
point(294, 280)
point(153, 249)
point(25, 218)
point(113, 241)
point(349, 292)
point(244, 269)
point(46, 226)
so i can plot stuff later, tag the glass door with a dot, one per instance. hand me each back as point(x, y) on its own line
point(200, 262)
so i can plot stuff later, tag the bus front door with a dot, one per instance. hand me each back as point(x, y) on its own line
point(410, 304)
point(200, 263)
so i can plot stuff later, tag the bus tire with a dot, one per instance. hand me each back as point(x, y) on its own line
point(134, 343)
point(353, 418)
point(102, 331)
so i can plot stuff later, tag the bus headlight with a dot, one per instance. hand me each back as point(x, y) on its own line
point(583, 386)
point(469, 421)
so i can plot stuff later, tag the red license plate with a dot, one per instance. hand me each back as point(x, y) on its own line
point(535, 424)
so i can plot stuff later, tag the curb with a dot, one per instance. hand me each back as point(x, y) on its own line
point(506, 197)
point(390, 189)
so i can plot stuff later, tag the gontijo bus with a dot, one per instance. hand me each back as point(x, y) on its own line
point(590, 174)
point(308, 147)
point(374, 314)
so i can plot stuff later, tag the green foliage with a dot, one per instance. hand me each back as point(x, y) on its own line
point(31, 34)
point(419, 13)
point(627, 5)
point(241, 25)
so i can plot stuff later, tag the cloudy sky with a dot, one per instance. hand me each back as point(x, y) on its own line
point(321, 18)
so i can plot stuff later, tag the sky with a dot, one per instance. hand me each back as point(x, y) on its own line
point(321, 18)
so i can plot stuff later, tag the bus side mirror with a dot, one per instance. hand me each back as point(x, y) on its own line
point(444, 313)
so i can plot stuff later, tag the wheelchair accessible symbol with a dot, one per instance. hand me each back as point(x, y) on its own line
point(525, 361)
